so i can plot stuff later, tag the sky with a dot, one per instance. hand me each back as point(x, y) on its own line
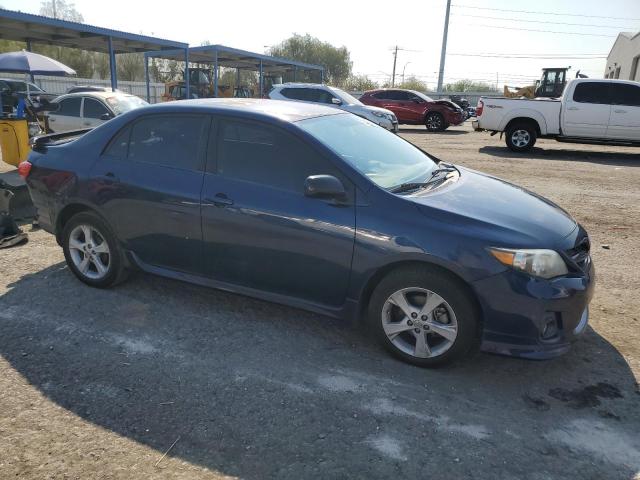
point(370, 30)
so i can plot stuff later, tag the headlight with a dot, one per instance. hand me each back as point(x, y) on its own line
point(536, 262)
point(378, 114)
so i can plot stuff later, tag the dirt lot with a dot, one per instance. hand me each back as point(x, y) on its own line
point(99, 384)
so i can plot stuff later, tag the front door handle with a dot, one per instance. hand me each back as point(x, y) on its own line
point(620, 111)
point(573, 108)
point(220, 200)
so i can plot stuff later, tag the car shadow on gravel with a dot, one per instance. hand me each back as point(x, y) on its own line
point(259, 390)
point(603, 158)
point(424, 131)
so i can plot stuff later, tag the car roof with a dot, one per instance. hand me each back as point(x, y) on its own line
point(93, 94)
point(277, 109)
point(300, 85)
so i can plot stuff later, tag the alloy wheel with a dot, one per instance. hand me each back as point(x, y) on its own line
point(434, 122)
point(419, 322)
point(520, 138)
point(89, 252)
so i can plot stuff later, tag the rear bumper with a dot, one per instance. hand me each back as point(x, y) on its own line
point(476, 125)
point(521, 311)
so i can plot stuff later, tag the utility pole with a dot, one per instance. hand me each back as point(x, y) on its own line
point(403, 68)
point(393, 75)
point(443, 54)
point(53, 6)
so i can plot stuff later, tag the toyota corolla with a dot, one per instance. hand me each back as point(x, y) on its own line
point(319, 209)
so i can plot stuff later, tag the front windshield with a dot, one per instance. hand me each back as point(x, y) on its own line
point(422, 96)
point(124, 103)
point(346, 97)
point(382, 156)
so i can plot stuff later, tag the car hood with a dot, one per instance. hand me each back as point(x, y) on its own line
point(364, 109)
point(498, 210)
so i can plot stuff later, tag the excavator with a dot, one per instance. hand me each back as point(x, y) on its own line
point(550, 85)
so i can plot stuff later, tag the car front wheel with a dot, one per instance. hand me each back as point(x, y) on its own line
point(435, 122)
point(91, 251)
point(424, 317)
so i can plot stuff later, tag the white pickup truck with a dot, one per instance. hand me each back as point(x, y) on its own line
point(589, 111)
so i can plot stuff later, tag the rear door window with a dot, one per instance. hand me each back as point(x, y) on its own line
point(593, 92)
point(296, 94)
point(625, 94)
point(169, 140)
point(69, 107)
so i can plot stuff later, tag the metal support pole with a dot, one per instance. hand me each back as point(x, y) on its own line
point(322, 76)
point(295, 73)
point(187, 83)
point(260, 81)
point(29, 50)
point(215, 73)
point(146, 76)
point(112, 66)
point(237, 82)
point(393, 75)
point(443, 54)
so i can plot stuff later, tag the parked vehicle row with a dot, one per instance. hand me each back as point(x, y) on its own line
point(11, 90)
point(313, 207)
point(589, 111)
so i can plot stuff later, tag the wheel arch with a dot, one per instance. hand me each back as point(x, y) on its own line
point(377, 276)
point(541, 128)
point(68, 212)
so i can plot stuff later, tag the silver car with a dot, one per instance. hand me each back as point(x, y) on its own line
point(75, 111)
point(317, 93)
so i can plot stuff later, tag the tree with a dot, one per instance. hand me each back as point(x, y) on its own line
point(359, 83)
point(414, 83)
point(305, 48)
point(61, 9)
point(130, 67)
point(467, 85)
point(163, 70)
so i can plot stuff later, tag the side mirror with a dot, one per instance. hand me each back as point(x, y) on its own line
point(106, 116)
point(336, 101)
point(324, 186)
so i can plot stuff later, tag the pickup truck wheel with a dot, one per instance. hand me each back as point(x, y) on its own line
point(424, 317)
point(521, 137)
point(434, 122)
point(91, 251)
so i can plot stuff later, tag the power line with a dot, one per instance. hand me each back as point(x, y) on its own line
point(543, 13)
point(541, 21)
point(541, 31)
point(541, 56)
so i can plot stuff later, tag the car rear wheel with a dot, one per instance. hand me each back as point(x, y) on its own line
point(521, 137)
point(424, 317)
point(91, 251)
point(434, 122)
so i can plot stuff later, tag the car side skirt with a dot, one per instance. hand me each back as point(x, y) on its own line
point(348, 311)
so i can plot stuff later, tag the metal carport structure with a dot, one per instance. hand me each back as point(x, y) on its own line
point(223, 56)
point(29, 28)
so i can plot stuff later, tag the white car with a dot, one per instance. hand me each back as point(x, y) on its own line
point(75, 111)
point(596, 111)
point(317, 93)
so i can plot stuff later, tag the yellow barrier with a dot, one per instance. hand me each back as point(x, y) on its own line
point(14, 140)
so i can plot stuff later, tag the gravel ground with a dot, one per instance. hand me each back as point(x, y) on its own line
point(100, 384)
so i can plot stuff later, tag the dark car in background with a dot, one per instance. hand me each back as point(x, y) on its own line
point(415, 108)
point(319, 209)
point(11, 90)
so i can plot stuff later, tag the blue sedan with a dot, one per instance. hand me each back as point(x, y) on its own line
point(319, 209)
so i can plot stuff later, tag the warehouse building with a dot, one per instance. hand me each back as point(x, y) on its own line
point(623, 58)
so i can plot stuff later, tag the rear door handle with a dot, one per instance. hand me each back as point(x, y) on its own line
point(620, 111)
point(573, 108)
point(220, 200)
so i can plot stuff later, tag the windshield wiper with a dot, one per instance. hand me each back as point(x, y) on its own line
point(443, 168)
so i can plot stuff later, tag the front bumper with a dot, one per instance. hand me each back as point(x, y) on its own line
point(518, 310)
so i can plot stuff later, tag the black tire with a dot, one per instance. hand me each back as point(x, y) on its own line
point(435, 122)
point(521, 136)
point(115, 271)
point(454, 293)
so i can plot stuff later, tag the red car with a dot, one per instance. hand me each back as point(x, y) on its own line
point(415, 108)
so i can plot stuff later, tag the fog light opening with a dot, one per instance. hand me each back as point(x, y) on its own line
point(550, 327)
